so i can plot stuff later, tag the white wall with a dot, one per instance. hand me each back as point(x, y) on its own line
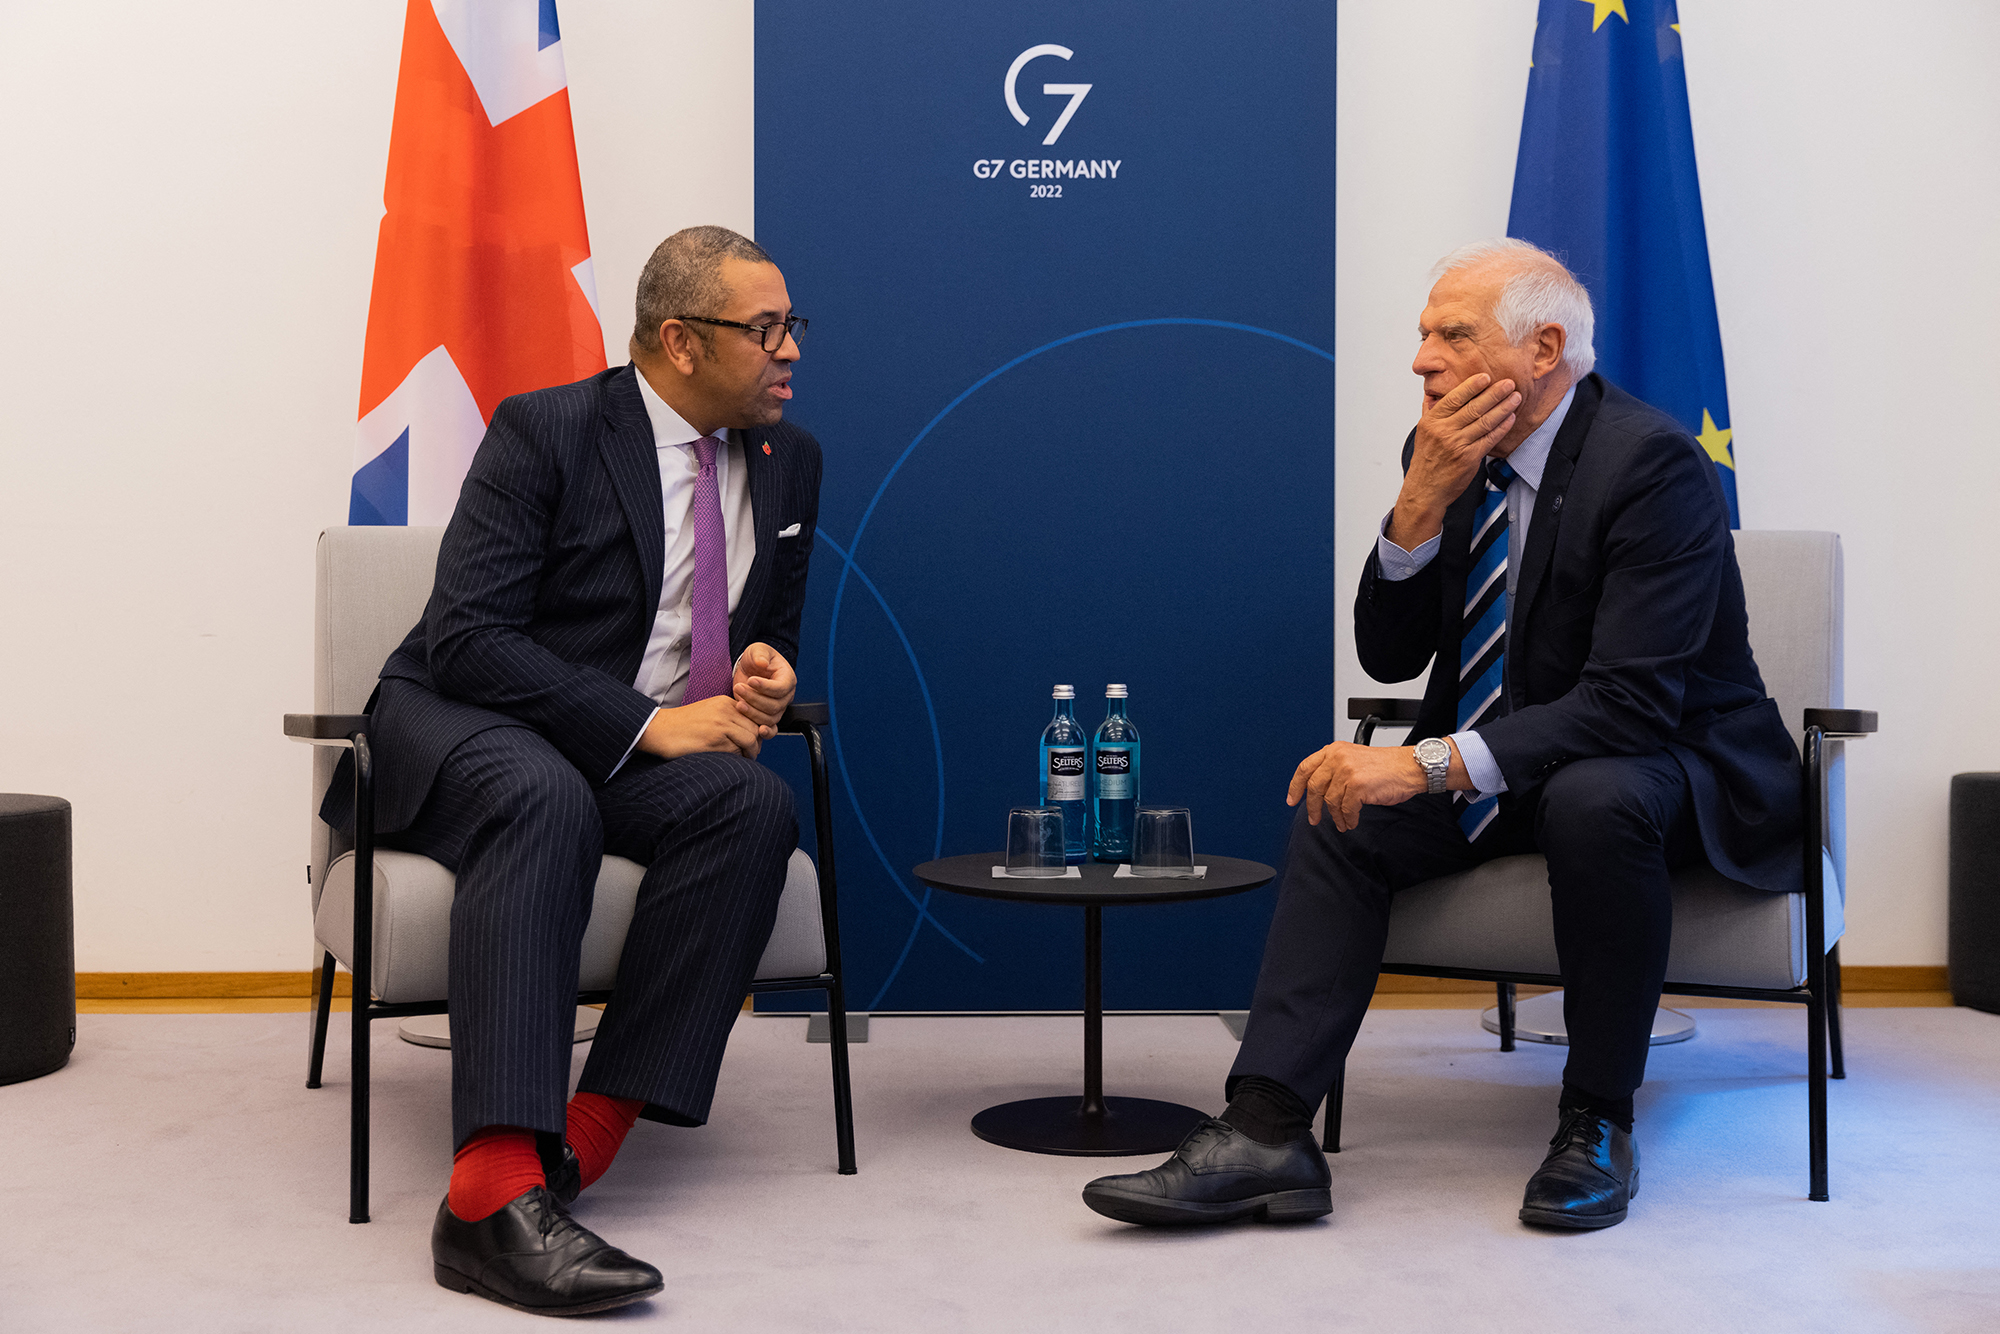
point(190, 233)
point(1846, 152)
point(192, 197)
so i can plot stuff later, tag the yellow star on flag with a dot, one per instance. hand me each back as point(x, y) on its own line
point(1604, 10)
point(1716, 442)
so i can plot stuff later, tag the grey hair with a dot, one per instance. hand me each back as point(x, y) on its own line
point(1540, 291)
point(684, 277)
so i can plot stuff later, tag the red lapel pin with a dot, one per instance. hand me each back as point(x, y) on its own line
point(767, 446)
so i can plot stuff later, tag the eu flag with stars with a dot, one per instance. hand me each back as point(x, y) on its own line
point(1606, 182)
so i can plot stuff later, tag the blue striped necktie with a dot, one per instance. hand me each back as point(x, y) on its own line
point(1482, 645)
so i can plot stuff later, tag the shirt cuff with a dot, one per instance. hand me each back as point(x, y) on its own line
point(1480, 765)
point(1398, 564)
point(634, 746)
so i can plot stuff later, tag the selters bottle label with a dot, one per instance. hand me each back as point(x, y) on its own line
point(1114, 773)
point(1066, 773)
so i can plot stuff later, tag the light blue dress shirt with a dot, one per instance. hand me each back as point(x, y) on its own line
point(1528, 461)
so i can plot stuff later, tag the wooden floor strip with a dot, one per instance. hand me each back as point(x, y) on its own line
point(205, 1005)
point(1863, 986)
point(204, 986)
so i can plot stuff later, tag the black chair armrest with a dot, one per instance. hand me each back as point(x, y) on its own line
point(1822, 726)
point(336, 728)
point(1373, 713)
point(798, 715)
point(1841, 723)
point(325, 729)
point(1384, 710)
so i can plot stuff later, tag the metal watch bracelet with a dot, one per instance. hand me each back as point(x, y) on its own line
point(1434, 758)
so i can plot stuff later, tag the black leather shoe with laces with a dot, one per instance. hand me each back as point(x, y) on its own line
point(1589, 1178)
point(1217, 1175)
point(534, 1257)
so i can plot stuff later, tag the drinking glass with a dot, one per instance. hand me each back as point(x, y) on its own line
point(1035, 841)
point(1163, 842)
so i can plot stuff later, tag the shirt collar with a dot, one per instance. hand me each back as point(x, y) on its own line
point(1531, 456)
point(669, 428)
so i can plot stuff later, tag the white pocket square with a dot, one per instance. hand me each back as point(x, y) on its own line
point(793, 531)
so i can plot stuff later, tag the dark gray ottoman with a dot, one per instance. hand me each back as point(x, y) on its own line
point(1974, 950)
point(37, 938)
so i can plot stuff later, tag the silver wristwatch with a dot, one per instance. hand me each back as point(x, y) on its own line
point(1434, 758)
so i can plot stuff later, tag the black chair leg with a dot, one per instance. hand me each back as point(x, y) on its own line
point(361, 965)
point(1816, 1092)
point(1505, 992)
point(322, 1016)
point(829, 918)
point(1839, 1070)
point(843, 1090)
point(1330, 1140)
point(357, 1118)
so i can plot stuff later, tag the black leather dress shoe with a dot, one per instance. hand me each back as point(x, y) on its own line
point(1589, 1178)
point(534, 1257)
point(1219, 1174)
point(566, 1180)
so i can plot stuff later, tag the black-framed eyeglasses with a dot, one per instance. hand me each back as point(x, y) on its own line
point(774, 335)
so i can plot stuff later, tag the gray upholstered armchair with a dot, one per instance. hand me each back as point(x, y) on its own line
point(372, 586)
point(1493, 923)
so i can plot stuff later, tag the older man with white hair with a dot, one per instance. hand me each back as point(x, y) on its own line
point(1561, 552)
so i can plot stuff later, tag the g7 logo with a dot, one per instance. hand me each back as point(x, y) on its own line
point(1075, 91)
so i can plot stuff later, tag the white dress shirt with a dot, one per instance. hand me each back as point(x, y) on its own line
point(1529, 460)
point(663, 671)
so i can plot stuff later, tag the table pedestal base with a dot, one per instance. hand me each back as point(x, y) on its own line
point(1061, 1125)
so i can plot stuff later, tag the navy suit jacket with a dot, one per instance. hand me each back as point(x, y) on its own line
point(548, 581)
point(1628, 633)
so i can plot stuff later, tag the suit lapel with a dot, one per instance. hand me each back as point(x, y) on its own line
point(1556, 473)
point(764, 477)
point(633, 461)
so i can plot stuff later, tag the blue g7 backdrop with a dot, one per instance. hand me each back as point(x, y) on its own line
point(1069, 269)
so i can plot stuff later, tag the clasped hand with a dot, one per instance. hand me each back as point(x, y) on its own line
point(1343, 777)
point(738, 723)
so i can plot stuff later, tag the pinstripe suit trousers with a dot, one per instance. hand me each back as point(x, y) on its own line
point(525, 833)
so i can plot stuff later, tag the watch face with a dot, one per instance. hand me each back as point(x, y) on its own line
point(1431, 750)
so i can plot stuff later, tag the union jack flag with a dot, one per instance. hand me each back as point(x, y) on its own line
point(483, 285)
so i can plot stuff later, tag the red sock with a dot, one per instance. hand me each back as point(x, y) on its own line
point(495, 1167)
point(597, 1126)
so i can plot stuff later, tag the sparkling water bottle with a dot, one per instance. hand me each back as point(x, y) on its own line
point(1114, 780)
point(1064, 758)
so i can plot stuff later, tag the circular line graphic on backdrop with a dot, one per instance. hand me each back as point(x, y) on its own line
point(848, 565)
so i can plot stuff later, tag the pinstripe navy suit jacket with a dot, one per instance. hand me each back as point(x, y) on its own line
point(549, 579)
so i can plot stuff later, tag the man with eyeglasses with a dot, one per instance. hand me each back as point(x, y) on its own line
point(609, 643)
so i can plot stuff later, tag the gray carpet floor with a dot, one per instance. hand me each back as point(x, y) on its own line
point(178, 1176)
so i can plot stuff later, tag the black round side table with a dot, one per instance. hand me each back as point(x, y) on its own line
point(1094, 1126)
point(37, 938)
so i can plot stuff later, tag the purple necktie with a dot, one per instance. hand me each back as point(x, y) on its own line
point(710, 671)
